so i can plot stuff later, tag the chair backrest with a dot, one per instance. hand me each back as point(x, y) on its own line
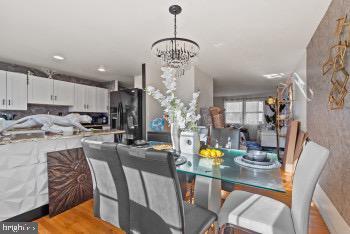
point(221, 136)
point(307, 173)
point(111, 197)
point(218, 116)
point(156, 204)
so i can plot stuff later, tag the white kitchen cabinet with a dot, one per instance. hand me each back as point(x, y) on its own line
point(16, 91)
point(40, 90)
point(79, 98)
point(50, 92)
point(84, 98)
point(3, 89)
point(90, 98)
point(63, 93)
point(101, 100)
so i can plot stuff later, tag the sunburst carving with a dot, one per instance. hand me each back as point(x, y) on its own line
point(69, 180)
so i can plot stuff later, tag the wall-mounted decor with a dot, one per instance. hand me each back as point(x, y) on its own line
point(336, 63)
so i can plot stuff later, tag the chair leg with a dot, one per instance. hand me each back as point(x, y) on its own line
point(222, 229)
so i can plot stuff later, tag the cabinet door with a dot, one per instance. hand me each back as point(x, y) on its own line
point(40, 90)
point(63, 93)
point(16, 91)
point(2, 89)
point(101, 100)
point(79, 99)
point(90, 99)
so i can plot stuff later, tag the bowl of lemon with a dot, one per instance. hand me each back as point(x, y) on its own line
point(211, 153)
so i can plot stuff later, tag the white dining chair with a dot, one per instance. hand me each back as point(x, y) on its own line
point(256, 213)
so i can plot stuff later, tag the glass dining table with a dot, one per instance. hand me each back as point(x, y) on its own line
point(211, 172)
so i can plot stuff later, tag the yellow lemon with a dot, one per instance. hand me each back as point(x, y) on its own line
point(206, 153)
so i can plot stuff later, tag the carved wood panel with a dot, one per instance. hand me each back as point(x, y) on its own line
point(69, 180)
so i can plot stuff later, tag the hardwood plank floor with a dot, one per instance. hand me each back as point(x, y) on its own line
point(80, 219)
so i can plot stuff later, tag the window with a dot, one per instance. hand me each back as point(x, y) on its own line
point(254, 112)
point(234, 112)
point(249, 112)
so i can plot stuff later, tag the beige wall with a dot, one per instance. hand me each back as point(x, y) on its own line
point(300, 102)
point(185, 86)
point(138, 82)
point(330, 128)
point(204, 83)
point(153, 109)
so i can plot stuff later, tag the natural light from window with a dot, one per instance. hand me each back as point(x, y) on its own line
point(250, 112)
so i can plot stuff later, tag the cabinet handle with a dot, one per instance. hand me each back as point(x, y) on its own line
point(51, 97)
point(3, 102)
point(84, 106)
point(9, 102)
point(87, 106)
point(55, 98)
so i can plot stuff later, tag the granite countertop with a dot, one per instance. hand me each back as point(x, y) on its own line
point(37, 136)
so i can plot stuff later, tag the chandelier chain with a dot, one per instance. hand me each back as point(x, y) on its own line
point(175, 26)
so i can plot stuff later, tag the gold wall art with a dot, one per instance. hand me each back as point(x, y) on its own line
point(336, 64)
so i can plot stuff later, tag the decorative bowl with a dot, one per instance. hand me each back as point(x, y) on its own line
point(256, 155)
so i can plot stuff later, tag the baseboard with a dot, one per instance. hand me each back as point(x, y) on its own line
point(335, 222)
point(30, 215)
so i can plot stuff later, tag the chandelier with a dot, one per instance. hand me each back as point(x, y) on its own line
point(175, 52)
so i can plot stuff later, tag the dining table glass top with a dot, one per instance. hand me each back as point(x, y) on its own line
point(227, 170)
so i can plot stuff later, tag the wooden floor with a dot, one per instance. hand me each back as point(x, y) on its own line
point(81, 220)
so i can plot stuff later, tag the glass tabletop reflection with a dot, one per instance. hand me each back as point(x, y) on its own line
point(227, 170)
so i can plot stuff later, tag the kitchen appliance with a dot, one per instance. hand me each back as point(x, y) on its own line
point(99, 119)
point(127, 113)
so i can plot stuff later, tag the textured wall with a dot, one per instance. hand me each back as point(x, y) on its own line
point(45, 109)
point(330, 128)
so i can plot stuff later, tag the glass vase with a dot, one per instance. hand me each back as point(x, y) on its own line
point(175, 136)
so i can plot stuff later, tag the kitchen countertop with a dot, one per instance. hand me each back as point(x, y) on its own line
point(35, 136)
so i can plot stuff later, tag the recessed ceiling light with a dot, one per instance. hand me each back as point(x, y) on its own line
point(218, 45)
point(101, 69)
point(58, 57)
point(274, 76)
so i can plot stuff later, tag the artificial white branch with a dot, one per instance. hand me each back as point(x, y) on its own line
point(179, 113)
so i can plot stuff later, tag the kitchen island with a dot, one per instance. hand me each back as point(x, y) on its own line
point(23, 171)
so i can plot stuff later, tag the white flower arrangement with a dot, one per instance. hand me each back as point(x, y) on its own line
point(178, 113)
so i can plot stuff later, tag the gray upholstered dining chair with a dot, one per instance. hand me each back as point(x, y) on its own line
point(111, 197)
point(265, 215)
point(225, 137)
point(156, 204)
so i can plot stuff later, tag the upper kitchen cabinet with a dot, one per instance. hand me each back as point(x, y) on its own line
point(16, 91)
point(50, 92)
point(89, 99)
point(40, 90)
point(63, 93)
point(79, 99)
point(2, 89)
point(101, 100)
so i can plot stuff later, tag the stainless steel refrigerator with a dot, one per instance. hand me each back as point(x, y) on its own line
point(127, 113)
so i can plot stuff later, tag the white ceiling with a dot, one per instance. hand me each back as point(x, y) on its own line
point(240, 40)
